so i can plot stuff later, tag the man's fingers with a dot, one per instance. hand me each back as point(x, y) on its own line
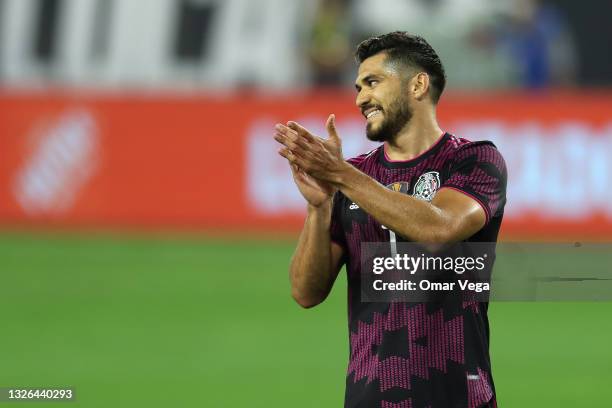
point(302, 131)
point(331, 128)
point(293, 157)
point(297, 173)
point(287, 154)
point(298, 151)
point(284, 133)
point(296, 144)
point(284, 140)
point(285, 130)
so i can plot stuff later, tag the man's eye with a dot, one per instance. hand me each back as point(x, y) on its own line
point(372, 82)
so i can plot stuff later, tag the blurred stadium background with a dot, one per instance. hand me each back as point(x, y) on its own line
point(146, 221)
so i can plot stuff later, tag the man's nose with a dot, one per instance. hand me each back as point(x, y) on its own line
point(362, 99)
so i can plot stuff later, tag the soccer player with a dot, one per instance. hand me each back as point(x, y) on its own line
point(401, 354)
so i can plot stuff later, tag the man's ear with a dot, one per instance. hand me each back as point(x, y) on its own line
point(420, 85)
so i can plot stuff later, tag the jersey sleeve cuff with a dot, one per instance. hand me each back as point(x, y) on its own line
point(485, 208)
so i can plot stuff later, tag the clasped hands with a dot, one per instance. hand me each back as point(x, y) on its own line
point(319, 158)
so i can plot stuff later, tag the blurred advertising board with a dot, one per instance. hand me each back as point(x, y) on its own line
point(209, 162)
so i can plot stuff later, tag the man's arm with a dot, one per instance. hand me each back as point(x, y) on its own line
point(451, 216)
point(316, 260)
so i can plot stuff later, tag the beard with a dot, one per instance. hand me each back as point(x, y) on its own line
point(396, 117)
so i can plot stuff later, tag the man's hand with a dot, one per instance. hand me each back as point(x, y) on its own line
point(315, 192)
point(316, 157)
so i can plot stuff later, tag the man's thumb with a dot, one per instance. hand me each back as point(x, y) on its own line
point(331, 128)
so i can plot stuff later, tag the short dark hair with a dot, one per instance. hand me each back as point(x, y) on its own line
point(408, 49)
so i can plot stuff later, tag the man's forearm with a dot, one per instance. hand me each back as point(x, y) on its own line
point(407, 216)
point(311, 272)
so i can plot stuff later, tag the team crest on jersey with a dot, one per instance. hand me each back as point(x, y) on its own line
point(427, 185)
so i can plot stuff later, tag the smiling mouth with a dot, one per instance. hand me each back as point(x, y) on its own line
point(373, 112)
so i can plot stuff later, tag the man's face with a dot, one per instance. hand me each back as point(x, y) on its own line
point(382, 98)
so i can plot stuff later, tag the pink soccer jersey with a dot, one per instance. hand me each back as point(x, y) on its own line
point(420, 355)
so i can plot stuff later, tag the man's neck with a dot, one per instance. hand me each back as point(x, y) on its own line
point(419, 134)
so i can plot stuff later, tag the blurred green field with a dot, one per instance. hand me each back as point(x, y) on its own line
point(186, 321)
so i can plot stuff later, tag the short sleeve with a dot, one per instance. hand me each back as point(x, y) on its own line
point(479, 171)
point(336, 230)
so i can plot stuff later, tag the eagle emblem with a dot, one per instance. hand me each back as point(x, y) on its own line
point(427, 185)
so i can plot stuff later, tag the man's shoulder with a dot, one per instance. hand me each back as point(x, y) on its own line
point(483, 149)
point(359, 160)
point(461, 144)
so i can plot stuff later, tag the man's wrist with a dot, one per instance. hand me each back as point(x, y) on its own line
point(322, 208)
point(343, 175)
